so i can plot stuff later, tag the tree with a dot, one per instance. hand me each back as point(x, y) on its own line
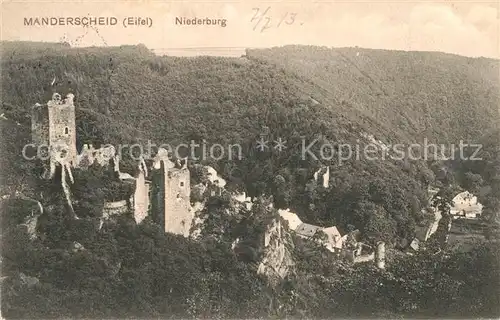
point(472, 182)
point(281, 192)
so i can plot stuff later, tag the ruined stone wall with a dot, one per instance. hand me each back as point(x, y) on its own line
point(364, 258)
point(141, 198)
point(114, 208)
point(380, 255)
point(62, 128)
point(53, 124)
point(157, 200)
point(177, 208)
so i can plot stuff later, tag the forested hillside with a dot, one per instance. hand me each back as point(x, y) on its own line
point(439, 96)
point(128, 95)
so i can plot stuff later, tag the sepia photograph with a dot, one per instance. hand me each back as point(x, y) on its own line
point(250, 159)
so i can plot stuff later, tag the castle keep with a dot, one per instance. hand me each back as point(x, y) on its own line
point(53, 125)
point(172, 197)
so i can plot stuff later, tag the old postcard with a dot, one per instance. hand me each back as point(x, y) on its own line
point(250, 159)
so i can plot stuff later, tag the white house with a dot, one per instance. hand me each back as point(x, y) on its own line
point(334, 240)
point(293, 220)
point(465, 205)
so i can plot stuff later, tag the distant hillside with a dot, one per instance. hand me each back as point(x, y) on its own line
point(127, 94)
point(391, 94)
point(209, 95)
point(442, 97)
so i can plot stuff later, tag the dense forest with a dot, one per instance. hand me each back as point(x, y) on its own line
point(129, 95)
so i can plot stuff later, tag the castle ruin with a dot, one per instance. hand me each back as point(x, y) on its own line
point(172, 197)
point(163, 192)
point(53, 128)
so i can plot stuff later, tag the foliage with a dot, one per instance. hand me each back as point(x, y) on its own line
point(131, 270)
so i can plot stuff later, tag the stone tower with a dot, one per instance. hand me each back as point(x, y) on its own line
point(53, 128)
point(173, 198)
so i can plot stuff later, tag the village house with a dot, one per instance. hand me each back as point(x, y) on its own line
point(331, 238)
point(466, 205)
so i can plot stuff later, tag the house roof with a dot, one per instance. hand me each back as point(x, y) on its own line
point(332, 232)
point(293, 220)
point(465, 196)
point(334, 237)
point(307, 230)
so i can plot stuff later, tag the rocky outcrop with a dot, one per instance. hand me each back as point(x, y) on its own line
point(277, 259)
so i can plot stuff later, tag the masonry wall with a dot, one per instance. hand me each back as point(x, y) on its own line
point(40, 125)
point(157, 199)
point(141, 198)
point(114, 208)
point(62, 128)
point(177, 191)
point(53, 124)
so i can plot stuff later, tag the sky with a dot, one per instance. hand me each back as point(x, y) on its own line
point(468, 28)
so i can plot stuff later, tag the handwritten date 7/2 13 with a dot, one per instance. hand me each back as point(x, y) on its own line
point(264, 19)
